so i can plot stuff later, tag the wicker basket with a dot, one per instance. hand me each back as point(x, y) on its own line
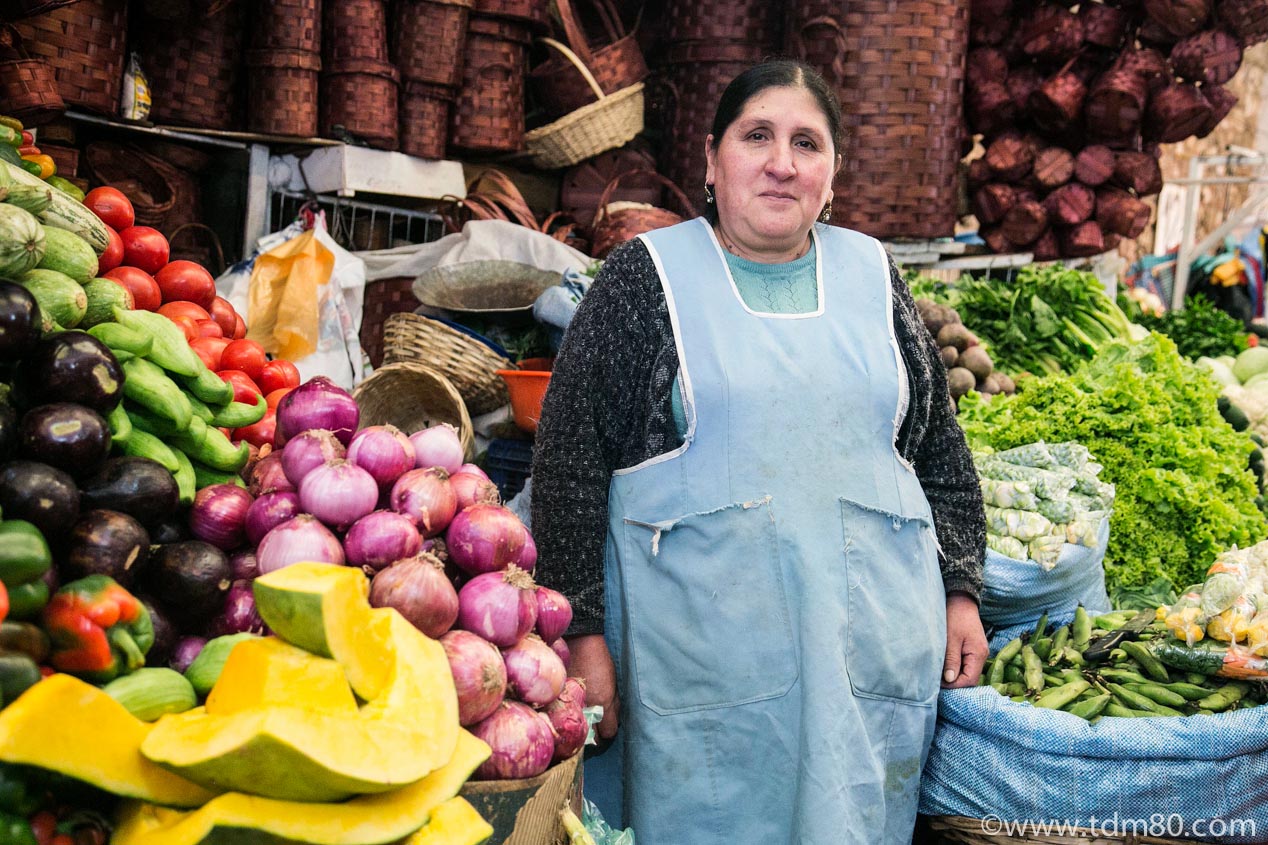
point(412, 397)
point(383, 298)
point(133, 171)
point(750, 22)
point(488, 115)
point(354, 29)
point(287, 25)
point(957, 830)
point(27, 8)
point(611, 228)
point(66, 158)
point(686, 97)
point(557, 86)
point(429, 39)
point(282, 92)
point(607, 123)
point(534, 13)
point(28, 88)
point(359, 98)
point(425, 119)
point(84, 42)
point(194, 70)
point(468, 364)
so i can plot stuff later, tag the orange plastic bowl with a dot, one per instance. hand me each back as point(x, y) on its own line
point(527, 387)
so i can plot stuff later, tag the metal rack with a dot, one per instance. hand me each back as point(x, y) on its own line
point(357, 225)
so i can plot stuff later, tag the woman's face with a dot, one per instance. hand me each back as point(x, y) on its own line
point(772, 169)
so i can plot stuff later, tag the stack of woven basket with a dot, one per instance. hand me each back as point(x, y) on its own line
point(282, 67)
point(358, 83)
point(428, 45)
point(84, 44)
point(193, 65)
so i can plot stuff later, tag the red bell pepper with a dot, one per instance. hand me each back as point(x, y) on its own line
point(98, 629)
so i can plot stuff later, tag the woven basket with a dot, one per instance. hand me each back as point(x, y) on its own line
point(429, 39)
point(534, 13)
point(606, 123)
point(28, 87)
point(752, 22)
point(354, 29)
point(27, 8)
point(584, 184)
point(84, 42)
point(66, 158)
point(468, 364)
point(957, 830)
point(557, 86)
point(488, 114)
point(134, 171)
point(383, 298)
point(412, 397)
point(287, 25)
point(425, 119)
point(282, 92)
point(611, 228)
point(359, 98)
point(194, 70)
point(686, 97)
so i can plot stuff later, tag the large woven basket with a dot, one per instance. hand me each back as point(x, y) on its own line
point(287, 25)
point(412, 397)
point(26, 8)
point(360, 98)
point(613, 227)
point(28, 88)
point(84, 42)
point(753, 22)
point(468, 364)
point(282, 88)
point(429, 39)
point(354, 29)
point(488, 114)
point(133, 171)
point(557, 86)
point(604, 124)
point(425, 111)
point(534, 13)
point(957, 830)
point(194, 70)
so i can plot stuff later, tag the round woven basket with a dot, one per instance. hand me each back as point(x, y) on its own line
point(287, 25)
point(412, 397)
point(957, 830)
point(360, 98)
point(429, 40)
point(195, 72)
point(84, 42)
point(282, 91)
point(424, 124)
point(468, 364)
point(28, 89)
point(488, 114)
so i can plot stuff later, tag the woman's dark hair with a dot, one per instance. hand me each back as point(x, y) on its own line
point(775, 73)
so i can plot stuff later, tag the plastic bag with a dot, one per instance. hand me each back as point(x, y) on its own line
point(1185, 618)
point(134, 101)
point(598, 828)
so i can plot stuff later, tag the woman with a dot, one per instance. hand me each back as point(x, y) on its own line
point(744, 452)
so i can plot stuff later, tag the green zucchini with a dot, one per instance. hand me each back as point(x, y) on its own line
point(150, 693)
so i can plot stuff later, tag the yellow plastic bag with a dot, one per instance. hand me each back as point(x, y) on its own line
point(284, 297)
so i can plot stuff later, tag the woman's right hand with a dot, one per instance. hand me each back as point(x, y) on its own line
point(590, 660)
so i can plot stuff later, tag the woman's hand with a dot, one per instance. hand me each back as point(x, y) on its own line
point(966, 643)
point(589, 659)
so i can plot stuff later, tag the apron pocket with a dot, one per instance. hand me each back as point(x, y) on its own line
point(707, 611)
point(896, 629)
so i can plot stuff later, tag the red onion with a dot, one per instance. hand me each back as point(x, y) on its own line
point(425, 496)
point(383, 451)
point(554, 614)
point(478, 674)
point(522, 740)
point(187, 648)
point(268, 476)
point(498, 606)
point(239, 614)
point(268, 512)
point(438, 446)
point(472, 489)
point(219, 514)
point(317, 403)
point(474, 470)
point(534, 673)
point(308, 450)
point(418, 589)
point(560, 647)
point(567, 716)
point(528, 555)
point(380, 538)
point(244, 565)
point(338, 493)
point(295, 541)
point(485, 538)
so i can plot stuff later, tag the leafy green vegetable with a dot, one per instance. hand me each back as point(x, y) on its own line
point(1184, 490)
point(1200, 329)
point(1157, 592)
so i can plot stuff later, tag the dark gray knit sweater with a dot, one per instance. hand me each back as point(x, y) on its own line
point(609, 407)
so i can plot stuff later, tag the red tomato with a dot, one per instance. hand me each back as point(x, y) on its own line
point(245, 355)
point(209, 349)
point(44, 826)
point(4, 601)
point(188, 282)
point(112, 206)
point(188, 326)
point(276, 374)
point(258, 434)
point(62, 839)
point(113, 256)
point(145, 291)
point(275, 396)
point(145, 247)
point(183, 309)
point(222, 312)
point(209, 328)
point(239, 327)
point(244, 387)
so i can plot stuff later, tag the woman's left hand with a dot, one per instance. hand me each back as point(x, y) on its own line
point(966, 643)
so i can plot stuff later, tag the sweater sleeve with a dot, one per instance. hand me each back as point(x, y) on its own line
point(936, 446)
point(598, 394)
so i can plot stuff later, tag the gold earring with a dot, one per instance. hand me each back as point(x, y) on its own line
point(708, 193)
point(826, 215)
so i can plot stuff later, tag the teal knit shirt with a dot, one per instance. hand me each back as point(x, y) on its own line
point(788, 288)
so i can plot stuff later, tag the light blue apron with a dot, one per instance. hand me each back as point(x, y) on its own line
point(774, 604)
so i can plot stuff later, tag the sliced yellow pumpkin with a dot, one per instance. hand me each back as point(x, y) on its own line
point(323, 609)
point(454, 822)
point(366, 820)
point(74, 728)
point(268, 672)
point(296, 754)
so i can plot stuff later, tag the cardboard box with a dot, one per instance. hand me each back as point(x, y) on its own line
point(526, 812)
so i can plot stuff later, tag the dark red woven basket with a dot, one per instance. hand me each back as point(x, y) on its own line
point(287, 25)
point(535, 13)
point(354, 29)
point(26, 8)
point(282, 87)
point(425, 118)
point(84, 43)
point(195, 70)
point(756, 22)
point(488, 114)
point(558, 86)
point(684, 98)
point(359, 98)
point(429, 40)
point(66, 158)
point(383, 298)
point(28, 89)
